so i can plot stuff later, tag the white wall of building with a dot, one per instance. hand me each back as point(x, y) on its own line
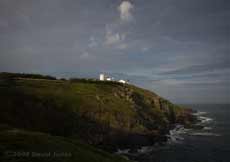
point(109, 79)
point(122, 81)
point(102, 77)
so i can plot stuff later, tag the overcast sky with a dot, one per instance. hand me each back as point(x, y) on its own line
point(178, 48)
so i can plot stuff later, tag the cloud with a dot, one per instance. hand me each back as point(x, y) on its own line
point(92, 42)
point(125, 9)
point(84, 55)
point(186, 40)
point(194, 82)
point(122, 46)
point(114, 35)
point(224, 64)
point(113, 38)
point(145, 49)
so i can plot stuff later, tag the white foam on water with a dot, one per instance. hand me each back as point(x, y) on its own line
point(207, 128)
point(125, 151)
point(175, 135)
point(204, 134)
point(145, 149)
point(205, 119)
point(200, 113)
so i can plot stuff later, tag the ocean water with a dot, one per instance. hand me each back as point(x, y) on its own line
point(210, 144)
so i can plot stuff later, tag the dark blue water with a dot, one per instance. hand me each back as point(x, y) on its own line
point(211, 144)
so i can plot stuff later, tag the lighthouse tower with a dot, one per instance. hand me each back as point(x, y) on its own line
point(102, 77)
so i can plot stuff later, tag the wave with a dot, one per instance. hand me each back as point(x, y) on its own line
point(125, 151)
point(175, 135)
point(145, 149)
point(200, 113)
point(204, 119)
point(207, 128)
point(205, 122)
point(205, 134)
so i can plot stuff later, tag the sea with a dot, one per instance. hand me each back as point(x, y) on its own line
point(211, 143)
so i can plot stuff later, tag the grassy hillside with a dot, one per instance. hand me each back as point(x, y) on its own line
point(104, 114)
point(23, 146)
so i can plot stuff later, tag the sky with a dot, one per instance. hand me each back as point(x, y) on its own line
point(179, 49)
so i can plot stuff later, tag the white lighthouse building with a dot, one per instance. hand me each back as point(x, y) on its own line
point(122, 81)
point(102, 77)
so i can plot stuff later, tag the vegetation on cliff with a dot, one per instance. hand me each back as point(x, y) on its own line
point(104, 114)
point(25, 146)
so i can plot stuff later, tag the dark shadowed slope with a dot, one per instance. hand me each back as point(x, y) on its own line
point(106, 114)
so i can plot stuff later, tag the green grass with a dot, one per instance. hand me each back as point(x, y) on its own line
point(78, 109)
point(112, 104)
point(23, 146)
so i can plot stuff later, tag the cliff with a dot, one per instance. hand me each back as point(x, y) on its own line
point(108, 115)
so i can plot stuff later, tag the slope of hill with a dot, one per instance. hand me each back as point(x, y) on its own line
point(21, 146)
point(108, 115)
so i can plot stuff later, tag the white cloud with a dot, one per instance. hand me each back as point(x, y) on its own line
point(122, 46)
point(92, 42)
point(145, 49)
point(113, 38)
point(125, 9)
point(113, 35)
point(84, 55)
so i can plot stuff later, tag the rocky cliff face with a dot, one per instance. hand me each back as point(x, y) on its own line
point(105, 114)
